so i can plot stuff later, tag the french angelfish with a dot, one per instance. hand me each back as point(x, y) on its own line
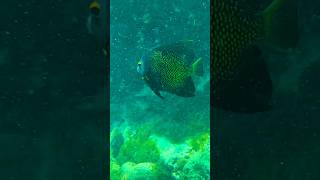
point(240, 78)
point(169, 68)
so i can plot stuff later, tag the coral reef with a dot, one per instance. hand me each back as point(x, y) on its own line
point(190, 160)
point(182, 155)
point(198, 165)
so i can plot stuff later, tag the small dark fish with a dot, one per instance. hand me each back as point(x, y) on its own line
point(241, 80)
point(169, 68)
point(97, 22)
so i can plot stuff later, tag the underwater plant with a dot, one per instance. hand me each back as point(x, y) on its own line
point(199, 141)
point(139, 148)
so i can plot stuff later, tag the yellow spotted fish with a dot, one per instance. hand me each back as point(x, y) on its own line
point(240, 78)
point(169, 68)
point(97, 22)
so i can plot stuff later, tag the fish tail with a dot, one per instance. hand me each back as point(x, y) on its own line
point(197, 67)
point(269, 12)
point(281, 23)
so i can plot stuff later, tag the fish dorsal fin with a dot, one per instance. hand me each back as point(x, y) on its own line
point(181, 49)
point(281, 23)
point(157, 92)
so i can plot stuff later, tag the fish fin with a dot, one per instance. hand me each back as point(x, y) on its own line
point(89, 24)
point(105, 52)
point(251, 90)
point(197, 67)
point(158, 93)
point(187, 89)
point(105, 49)
point(186, 43)
point(281, 23)
point(153, 83)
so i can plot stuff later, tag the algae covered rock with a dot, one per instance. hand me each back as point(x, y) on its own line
point(189, 160)
point(138, 148)
point(173, 156)
point(199, 141)
point(198, 165)
point(114, 171)
point(133, 171)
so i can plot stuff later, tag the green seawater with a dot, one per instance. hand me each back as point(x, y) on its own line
point(150, 137)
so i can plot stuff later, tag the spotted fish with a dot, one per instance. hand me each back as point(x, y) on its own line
point(240, 77)
point(97, 22)
point(169, 68)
